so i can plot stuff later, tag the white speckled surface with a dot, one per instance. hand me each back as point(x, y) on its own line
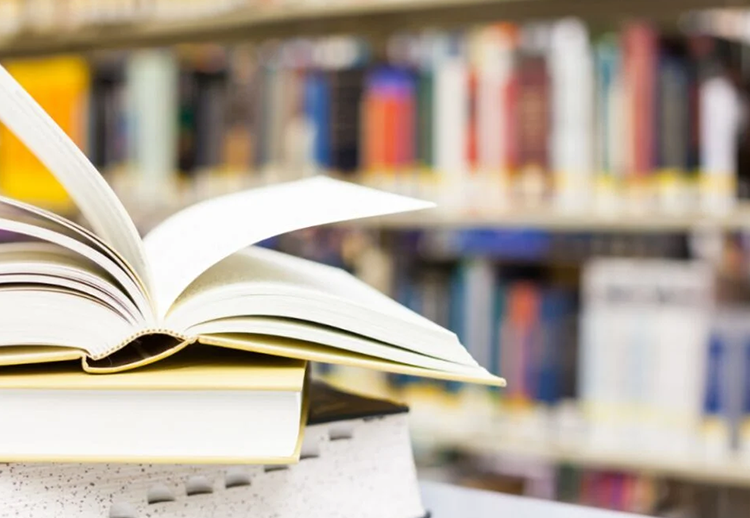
point(371, 475)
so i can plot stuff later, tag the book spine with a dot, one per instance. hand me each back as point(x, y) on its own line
point(571, 132)
point(186, 119)
point(719, 107)
point(239, 113)
point(478, 310)
point(451, 114)
point(346, 94)
point(639, 62)
point(151, 82)
point(673, 119)
point(532, 117)
point(715, 426)
point(210, 100)
point(425, 122)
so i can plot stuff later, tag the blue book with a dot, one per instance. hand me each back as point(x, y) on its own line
point(496, 366)
point(552, 321)
point(714, 399)
point(317, 105)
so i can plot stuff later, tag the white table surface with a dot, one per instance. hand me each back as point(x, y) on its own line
point(447, 501)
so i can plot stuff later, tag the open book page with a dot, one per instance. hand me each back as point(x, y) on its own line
point(262, 282)
point(17, 218)
point(31, 264)
point(323, 335)
point(98, 203)
point(194, 239)
point(69, 228)
point(303, 350)
point(60, 317)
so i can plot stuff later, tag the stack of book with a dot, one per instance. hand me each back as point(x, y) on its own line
point(192, 347)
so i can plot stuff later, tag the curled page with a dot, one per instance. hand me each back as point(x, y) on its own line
point(191, 241)
point(91, 193)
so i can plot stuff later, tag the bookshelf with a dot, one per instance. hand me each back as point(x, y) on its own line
point(492, 451)
point(279, 20)
point(539, 216)
point(556, 220)
point(376, 21)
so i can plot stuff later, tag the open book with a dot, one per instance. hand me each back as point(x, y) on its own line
point(117, 301)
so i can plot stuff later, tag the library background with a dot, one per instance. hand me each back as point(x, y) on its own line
point(591, 164)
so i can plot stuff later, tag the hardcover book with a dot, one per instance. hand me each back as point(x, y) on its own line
point(107, 297)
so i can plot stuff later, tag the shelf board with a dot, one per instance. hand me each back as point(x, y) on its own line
point(554, 220)
point(150, 210)
point(367, 17)
point(727, 472)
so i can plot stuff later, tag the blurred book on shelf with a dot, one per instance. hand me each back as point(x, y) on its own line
point(644, 494)
point(61, 85)
point(496, 119)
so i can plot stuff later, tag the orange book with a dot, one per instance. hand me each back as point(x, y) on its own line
point(390, 130)
point(61, 86)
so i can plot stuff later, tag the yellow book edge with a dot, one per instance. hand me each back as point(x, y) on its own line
point(273, 346)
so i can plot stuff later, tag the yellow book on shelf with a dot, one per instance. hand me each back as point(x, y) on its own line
point(60, 85)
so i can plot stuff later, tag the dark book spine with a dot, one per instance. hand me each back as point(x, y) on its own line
point(106, 116)
point(186, 125)
point(97, 120)
point(425, 120)
point(532, 115)
point(209, 118)
point(673, 114)
point(346, 87)
point(239, 111)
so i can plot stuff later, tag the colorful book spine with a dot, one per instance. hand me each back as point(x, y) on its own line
point(154, 137)
point(639, 64)
point(532, 116)
point(572, 113)
point(61, 85)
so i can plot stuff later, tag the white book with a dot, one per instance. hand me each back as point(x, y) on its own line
point(151, 79)
point(478, 310)
point(719, 108)
point(89, 294)
point(679, 353)
point(451, 112)
point(572, 112)
point(644, 336)
point(494, 62)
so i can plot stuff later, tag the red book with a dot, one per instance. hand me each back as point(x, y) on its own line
point(640, 61)
point(510, 97)
point(532, 116)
